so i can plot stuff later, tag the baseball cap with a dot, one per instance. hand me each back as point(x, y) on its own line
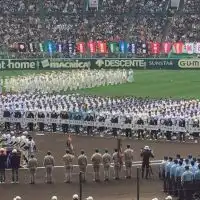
point(54, 198)
point(89, 198)
point(75, 197)
point(168, 198)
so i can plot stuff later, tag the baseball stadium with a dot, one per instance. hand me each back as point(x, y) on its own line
point(99, 99)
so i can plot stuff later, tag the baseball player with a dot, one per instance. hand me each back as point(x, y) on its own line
point(82, 162)
point(68, 159)
point(49, 164)
point(32, 165)
point(128, 159)
point(117, 164)
point(106, 158)
point(96, 161)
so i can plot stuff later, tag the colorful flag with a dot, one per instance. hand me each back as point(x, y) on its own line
point(80, 46)
point(113, 47)
point(21, 47)
point(91, 46)
point(32, 47)
point(155, 48)
point(71, 47)
point(131, 48)
point(178, 48)
point(166, 47)
point(41, 47)
point(59, 48)
point(123, 47)
point(197, 48)
point(189, 47)
point(144, 48)
point(101, 47)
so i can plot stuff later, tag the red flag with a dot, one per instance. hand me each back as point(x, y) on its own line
point(178, 47)
point(166, 47)
point(102, 47)
point(92, 46)
point(155, 48)
point(80, 47)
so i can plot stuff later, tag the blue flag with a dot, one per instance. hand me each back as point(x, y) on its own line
point(131, 48)
point(123, 46)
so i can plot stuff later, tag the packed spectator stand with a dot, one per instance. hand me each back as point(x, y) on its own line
point(185, 25)
point(38, 21)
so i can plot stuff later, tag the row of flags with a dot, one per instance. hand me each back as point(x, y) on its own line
point(104, 47)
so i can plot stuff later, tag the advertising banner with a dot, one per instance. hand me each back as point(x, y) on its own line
point(162, 63)
point(98, 63)
point(11, 64)
point(189, 63)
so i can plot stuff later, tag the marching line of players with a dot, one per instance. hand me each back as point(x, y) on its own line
point(181, 177)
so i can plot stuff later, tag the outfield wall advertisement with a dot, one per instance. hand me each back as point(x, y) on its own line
point(106, 63)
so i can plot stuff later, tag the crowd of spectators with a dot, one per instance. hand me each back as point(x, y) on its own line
point(150, 20)
point(185, 26)
point(36, 21)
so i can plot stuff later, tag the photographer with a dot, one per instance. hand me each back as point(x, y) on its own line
point(146, 154)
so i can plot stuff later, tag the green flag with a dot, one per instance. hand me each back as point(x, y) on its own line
point(114, 47)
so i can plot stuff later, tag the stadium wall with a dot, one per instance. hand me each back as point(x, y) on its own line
point(97, 63)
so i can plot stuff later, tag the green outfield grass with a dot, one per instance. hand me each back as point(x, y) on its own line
point(151, 83)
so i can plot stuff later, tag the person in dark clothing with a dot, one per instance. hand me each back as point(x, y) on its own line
point(77, 127)
point(89, 129)
point(146, 154)
point(128, 131)
point(64, 115)
point(140, 130)
point(41, 124)
point(114, 120)
point(18, 115)
point(54, 115)
point(3, 159)
point(15, 165)
point(7, 114)
point(182, 133)
point(30, 115)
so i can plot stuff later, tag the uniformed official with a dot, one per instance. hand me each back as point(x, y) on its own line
point(172, 177)
point(167, 174)
point(117, 164)
point(197, 179)
point(179, 172)
point(49, 164)
point(106, 165)
point(187, 183)
point(68, 164)
point(128, 159)
point(32, 165)
point(96, 162)
point(162, 172)
point(82, 162)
